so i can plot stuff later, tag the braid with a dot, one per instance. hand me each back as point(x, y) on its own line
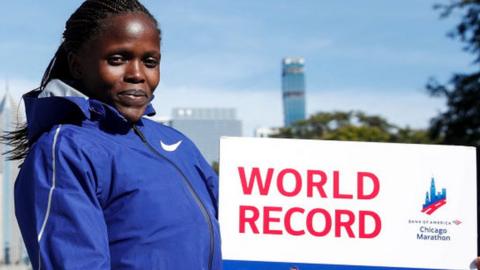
point(83, 25)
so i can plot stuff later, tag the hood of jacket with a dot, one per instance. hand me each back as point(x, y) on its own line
point(59, 103)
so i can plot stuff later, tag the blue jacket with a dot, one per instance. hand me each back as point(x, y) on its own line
point(96, 192)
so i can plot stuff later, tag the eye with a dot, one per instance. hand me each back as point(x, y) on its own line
point(115, 60)
point(151, 62)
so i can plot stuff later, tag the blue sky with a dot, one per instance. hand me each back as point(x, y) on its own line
point(372, 55)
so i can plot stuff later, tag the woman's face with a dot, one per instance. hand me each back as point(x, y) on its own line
point(121, 64)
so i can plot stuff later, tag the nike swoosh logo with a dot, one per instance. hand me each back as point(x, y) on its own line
point(170, 147)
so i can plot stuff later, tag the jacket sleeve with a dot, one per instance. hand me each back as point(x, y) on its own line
point(57, 207)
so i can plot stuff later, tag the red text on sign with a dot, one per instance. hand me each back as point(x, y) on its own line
point(316, 222)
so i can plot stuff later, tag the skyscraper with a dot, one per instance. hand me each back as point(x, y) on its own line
point(7, 215)
point(293, 89)
point(12, 251)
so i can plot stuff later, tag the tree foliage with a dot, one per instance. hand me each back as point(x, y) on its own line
point(216, 167)
point(460, 123)
point(352, 126)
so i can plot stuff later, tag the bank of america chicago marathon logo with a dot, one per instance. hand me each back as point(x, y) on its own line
point(433, 199)
point(436, 230)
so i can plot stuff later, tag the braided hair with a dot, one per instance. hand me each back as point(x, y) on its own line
point(82, 26)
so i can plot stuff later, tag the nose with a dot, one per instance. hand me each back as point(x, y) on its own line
point(134, 72)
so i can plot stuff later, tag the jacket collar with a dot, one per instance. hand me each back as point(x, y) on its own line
point(59, 102)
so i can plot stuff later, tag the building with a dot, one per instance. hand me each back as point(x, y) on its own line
point(293, 89)
point(12, 250)
point(205, 126)
point(266, 132)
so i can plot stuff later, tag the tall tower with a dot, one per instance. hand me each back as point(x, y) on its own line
point(293, 90)
point(12, 250)
point(433, 190)
point(7, 213)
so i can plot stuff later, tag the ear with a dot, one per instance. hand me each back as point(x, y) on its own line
point(74, 64)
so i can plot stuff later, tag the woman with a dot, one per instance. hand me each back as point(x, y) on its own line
point(101, 187)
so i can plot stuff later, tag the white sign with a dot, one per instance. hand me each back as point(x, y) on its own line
point(299, 204)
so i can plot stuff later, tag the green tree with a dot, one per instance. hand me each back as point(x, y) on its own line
point(352, 126)
point(460, 123)
point(216, 166)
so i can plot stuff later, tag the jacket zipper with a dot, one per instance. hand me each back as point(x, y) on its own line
point(194, 194)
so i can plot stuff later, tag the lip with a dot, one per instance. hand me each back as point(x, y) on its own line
point(133, 97)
